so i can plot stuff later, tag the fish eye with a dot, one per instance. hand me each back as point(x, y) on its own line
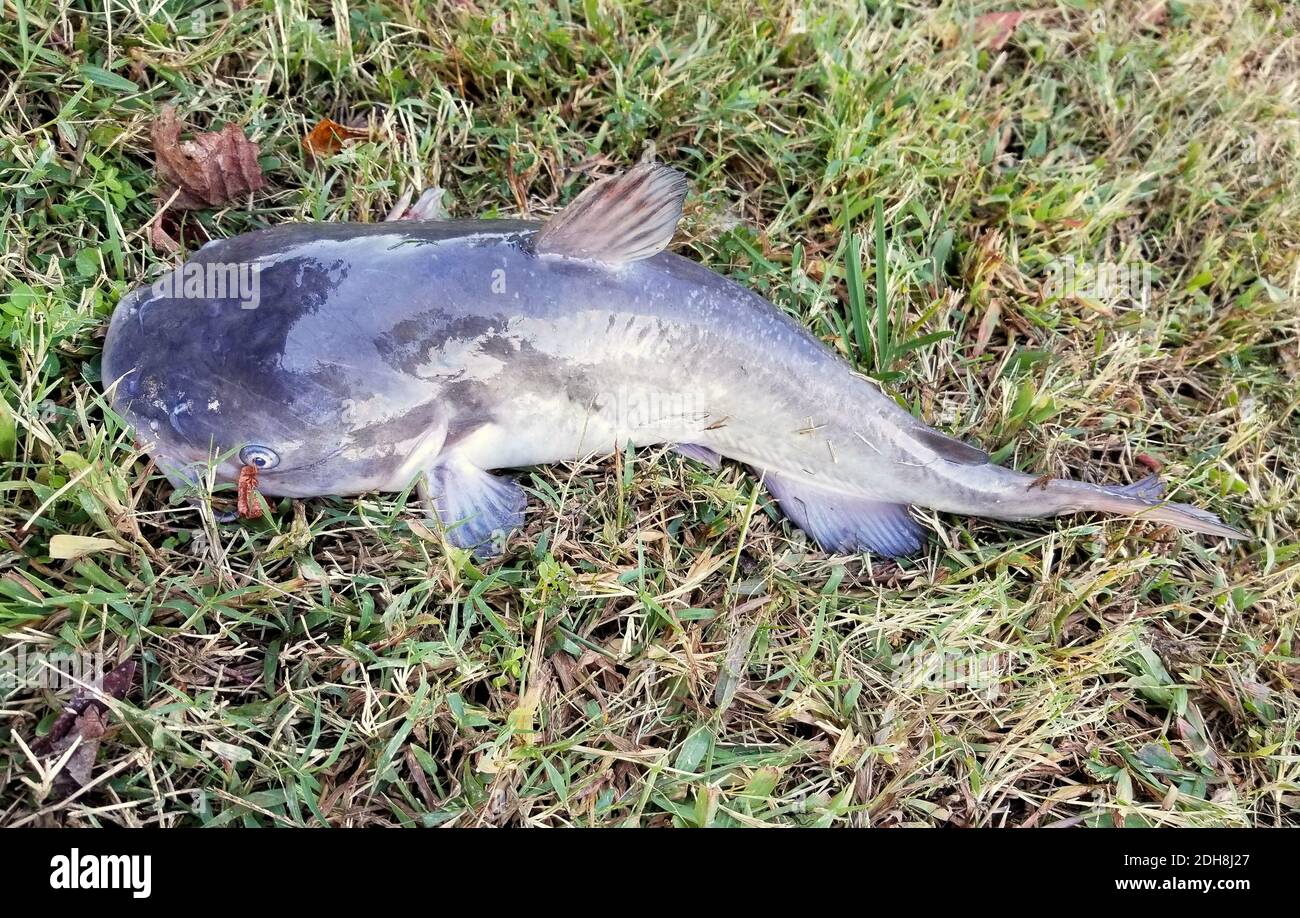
point(259, 457)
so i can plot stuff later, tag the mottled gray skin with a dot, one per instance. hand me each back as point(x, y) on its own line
point(378, 352)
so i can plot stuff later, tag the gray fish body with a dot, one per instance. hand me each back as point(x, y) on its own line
point(374, 354)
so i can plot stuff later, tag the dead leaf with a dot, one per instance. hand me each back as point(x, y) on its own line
point(1151, 463)
point(118, 681)
point(994, 30)
point(520, 720)
point(328, 137)
point(70, 547)
point(228, 752)
point(161, 241)
point(988, 325)
point(1155, 14)
point(156, 232)
point(211, 170)
point(17, 578)
point(115, 684)
point(421, 782)
point(84, 718)
point(88, 728)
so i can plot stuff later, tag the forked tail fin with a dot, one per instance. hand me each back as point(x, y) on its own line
point(1142, 500)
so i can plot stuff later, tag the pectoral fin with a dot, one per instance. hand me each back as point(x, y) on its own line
point(842, 522)
point(478, 510)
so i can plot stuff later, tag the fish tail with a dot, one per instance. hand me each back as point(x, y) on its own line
point(1143, 500)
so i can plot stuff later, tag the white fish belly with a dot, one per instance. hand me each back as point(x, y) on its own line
point(537, 428)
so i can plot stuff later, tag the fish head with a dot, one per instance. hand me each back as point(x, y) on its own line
point(204, 382)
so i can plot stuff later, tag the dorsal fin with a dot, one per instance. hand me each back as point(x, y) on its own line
point(619, 219)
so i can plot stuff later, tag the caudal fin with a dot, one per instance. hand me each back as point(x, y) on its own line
point(1141, 500)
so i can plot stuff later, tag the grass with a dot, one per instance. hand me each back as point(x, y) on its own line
point(659, 647)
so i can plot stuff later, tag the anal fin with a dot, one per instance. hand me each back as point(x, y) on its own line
point(477, 509)
point(846, 523)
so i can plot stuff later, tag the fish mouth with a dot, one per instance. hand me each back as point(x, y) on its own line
point(306, 466)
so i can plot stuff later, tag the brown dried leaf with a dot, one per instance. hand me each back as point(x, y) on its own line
point(1155, 14)
point(1150, 463)
point(993, 30)
point(208, 171)
point(157, 233)
point(84, 718)
point(21, 581)
point(115, 684)
point(328, 137)
point(988, 325)
point(88, 728)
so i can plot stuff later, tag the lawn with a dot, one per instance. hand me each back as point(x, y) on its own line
point(1070, 237)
